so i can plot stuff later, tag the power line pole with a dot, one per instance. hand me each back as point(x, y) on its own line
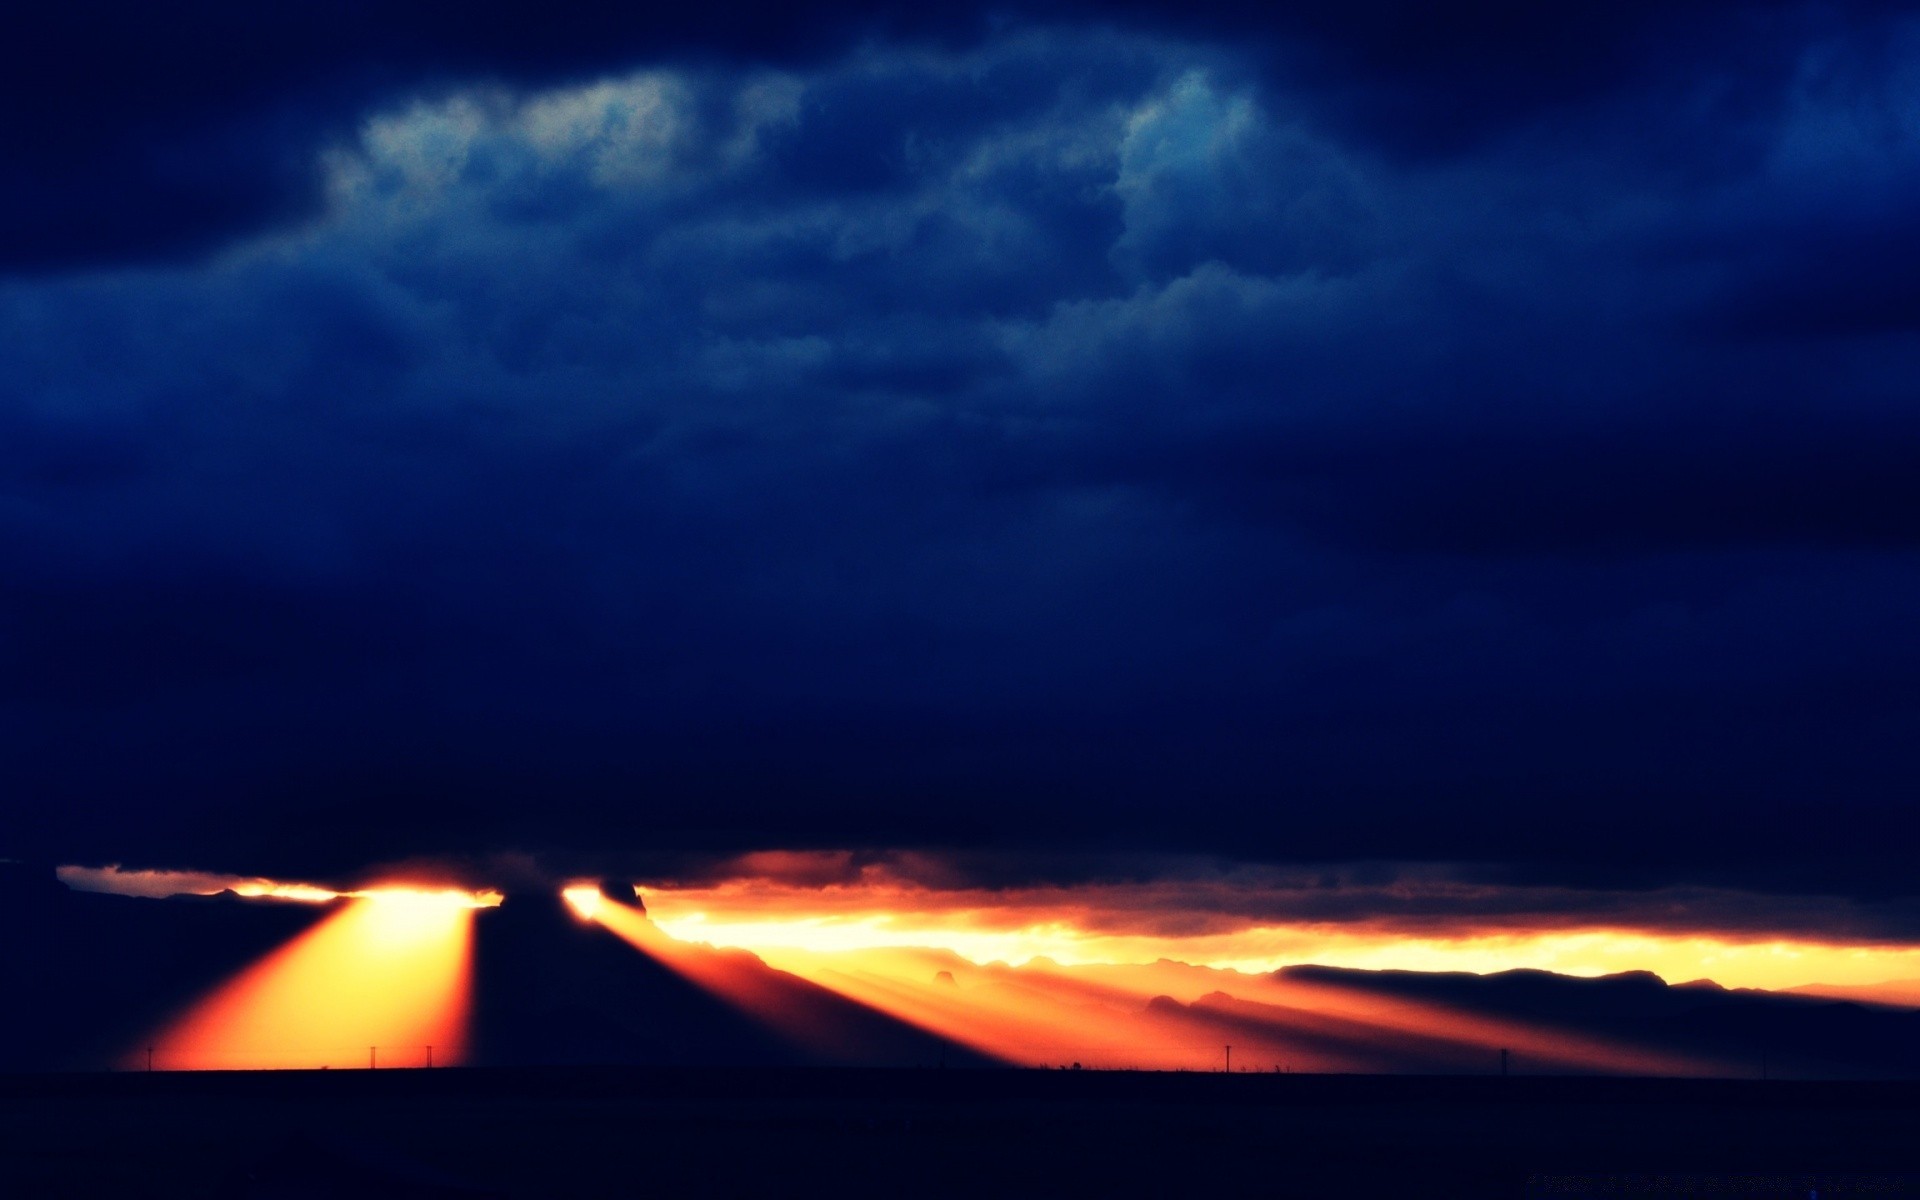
point(1229, 1060)
point(370, 1059)
point(1503, 1063)
point(429, 1058)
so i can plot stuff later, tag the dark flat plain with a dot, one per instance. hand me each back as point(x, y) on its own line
point(625, 1132)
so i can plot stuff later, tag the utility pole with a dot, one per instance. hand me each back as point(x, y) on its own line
point(1229, 1060)
point(370, 1060)
point(1503, 1063)
point(429, 1058)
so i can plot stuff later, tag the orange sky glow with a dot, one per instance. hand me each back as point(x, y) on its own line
point(1106, 1016)
point(1034, 975)
point(771, 908)
point(1110, 924)
point(382, 981)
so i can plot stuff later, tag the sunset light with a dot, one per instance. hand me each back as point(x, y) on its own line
point(788, 1005)
point(1156, 974)
point(585, 900)
point(981, 601)
point(380, 982)
point(1144, 923)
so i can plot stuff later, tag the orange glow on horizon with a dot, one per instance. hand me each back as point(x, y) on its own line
point(1064, 925)
point(1150, 975)
point(427, 898)
point(1046, 1014)
point(1093, 991)
point(376, 983)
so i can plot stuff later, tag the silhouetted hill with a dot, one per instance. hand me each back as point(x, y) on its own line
point(550, 989)
point(1628, 996)
point(1788, 1038)
point(1896, 993)
point(1749, 1030)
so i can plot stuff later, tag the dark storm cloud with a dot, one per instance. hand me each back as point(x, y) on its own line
point(141, 133)
point(1067, 439)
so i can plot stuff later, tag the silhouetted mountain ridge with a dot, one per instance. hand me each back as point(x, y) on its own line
point(1749, 1029)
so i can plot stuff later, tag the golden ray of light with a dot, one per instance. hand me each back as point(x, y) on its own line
point(1088, 987)
point(1170, 1016)
point(1542, 1045)
point(381, 982)
point(1013, 1020)
point(585, 900)
point(771, 918)
point(791, 1007)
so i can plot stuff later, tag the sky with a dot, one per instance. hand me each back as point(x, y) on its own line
point(1390, 463)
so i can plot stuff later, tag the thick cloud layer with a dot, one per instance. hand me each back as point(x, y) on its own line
point(147, 132)
point(1109, 438)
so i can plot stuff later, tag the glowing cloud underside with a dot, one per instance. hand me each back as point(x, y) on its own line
point(1102, 924)
point(388, 971)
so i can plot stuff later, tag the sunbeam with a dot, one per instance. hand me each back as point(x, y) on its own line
point(823, 1022)
point(380, 982)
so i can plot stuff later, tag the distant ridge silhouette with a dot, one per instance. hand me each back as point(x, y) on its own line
point(1782, 1033)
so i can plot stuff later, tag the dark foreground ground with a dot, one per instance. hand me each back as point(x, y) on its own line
point(931, 1133)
